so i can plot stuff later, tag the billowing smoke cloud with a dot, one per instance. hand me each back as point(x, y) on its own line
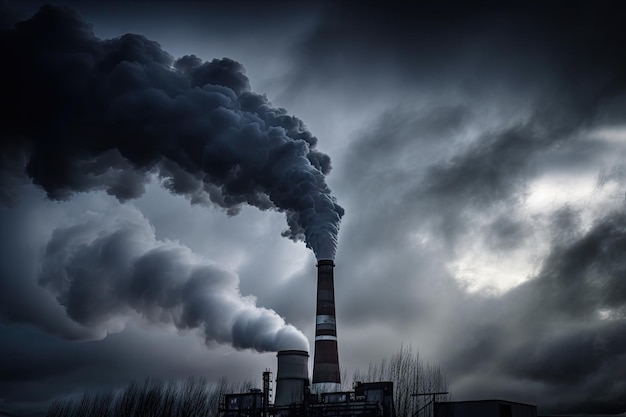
point(100, 270)
point(105, 114)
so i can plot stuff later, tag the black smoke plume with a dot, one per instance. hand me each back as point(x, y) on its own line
point(93, 114)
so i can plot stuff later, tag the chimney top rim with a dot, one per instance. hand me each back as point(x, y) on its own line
point(325, 262)
point(294, 352)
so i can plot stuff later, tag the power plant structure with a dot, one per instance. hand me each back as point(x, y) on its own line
point(295, 396)
point(295, 399)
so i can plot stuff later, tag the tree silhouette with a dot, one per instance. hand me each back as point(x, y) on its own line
point(410, 375)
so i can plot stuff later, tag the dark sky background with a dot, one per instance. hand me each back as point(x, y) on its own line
point(477, 149)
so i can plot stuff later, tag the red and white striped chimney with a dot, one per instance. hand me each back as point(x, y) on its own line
point(326, 360)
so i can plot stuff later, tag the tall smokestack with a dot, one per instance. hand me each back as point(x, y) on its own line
point(326, 360)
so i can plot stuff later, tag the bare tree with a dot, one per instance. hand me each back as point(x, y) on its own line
point(410, 376)
point(152, 398)
point(197, 398)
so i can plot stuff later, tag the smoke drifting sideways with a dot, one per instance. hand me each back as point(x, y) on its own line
point(108, 267)
point(91, 114)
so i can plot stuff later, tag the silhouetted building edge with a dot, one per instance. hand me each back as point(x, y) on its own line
point(484, 408)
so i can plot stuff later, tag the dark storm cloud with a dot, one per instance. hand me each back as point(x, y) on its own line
point(499, 164)
point(568, 72)
point(479, 46)
point(587, 275)
point(95, 114)
point(565, 225)
point(505, 233)
point(428, 47)
point(564, 329)
point(487, 172)
point(394, 150)
point(382, 239)
point(555, 80)
point(570, 66)
point(521, 86)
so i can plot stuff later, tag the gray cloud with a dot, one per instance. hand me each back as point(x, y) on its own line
point(402, 187)
point(562, 330)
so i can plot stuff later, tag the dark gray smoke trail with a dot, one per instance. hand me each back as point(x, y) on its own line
point(105, 114)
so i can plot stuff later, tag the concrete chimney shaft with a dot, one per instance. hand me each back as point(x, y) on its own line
point(326, 359)
point(292, 377)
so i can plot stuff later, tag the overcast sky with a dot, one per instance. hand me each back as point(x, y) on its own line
point(148, 201)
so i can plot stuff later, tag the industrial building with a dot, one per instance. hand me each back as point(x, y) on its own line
point(484, 408)
point(295, 398)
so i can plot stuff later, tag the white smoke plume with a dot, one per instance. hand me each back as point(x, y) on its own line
point(108, 267)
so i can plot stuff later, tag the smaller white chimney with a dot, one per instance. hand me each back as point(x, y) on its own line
point(292, 377)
